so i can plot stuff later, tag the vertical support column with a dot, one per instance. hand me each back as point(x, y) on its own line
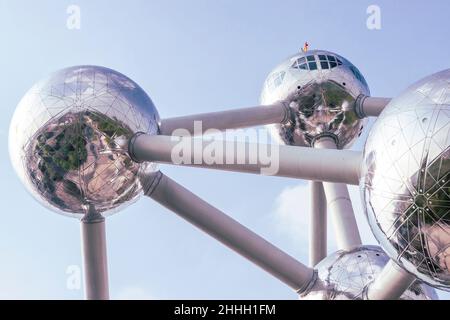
point(340, 206)
point(95, 263)
point(317, 224)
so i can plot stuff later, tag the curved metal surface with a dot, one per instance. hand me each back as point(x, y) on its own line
point(321, 89)
point(405, 179)
point(68, 136)
point(344, 275)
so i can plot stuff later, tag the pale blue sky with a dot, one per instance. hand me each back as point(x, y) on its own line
point(190, 56)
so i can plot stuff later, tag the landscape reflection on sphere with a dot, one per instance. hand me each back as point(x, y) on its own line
point(67, 140)
point(405, 179)
point(321, 89)
point(345, 275)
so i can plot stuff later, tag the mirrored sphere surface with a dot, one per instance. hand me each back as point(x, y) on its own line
point(321, 88)
point(68, 136)
point(344, 275)
point(405, 179)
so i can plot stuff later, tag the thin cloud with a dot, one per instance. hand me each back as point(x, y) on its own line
point(291, 215)
point(291, 212)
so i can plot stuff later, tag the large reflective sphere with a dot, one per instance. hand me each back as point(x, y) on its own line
point(344, 275)
point(406, 179)
point(67, 139)
point(320, 88)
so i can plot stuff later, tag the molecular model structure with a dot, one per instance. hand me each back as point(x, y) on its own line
point(86, 142)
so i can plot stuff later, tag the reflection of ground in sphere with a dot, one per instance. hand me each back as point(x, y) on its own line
point(321, 88)
point(405, 179)
point(67, 134)
point(344, 275)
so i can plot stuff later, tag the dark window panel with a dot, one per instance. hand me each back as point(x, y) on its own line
point(322, 57)
point(324, 65)
point(312, 66)
point(311, 58)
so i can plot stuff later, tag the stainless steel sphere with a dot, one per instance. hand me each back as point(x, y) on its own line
point(405, 179)
point(345, 275)
point(67, 139)
point(320, 88)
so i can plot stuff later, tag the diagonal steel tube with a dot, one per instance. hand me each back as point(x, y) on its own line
point(190, 207)
point(390, 284)
point(340, 166)
point(230, 119)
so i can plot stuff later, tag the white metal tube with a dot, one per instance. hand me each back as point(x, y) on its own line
point(230, 119)
point(390, 284)
point(232, 234)
point(95, 265)
point(317, 224)
point(341, 166)
point(373, 106)
point(340, 207)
